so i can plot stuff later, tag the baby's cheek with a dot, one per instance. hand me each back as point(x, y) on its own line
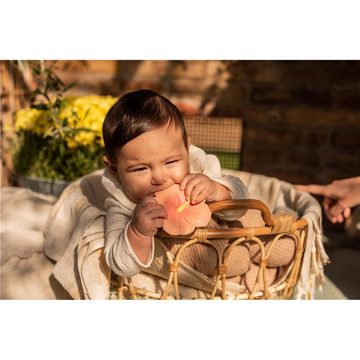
point(179, 174)
point(136, 187)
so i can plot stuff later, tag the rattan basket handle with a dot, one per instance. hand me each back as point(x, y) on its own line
point(245, 204)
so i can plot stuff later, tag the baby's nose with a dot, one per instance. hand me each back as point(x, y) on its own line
point(158, 178)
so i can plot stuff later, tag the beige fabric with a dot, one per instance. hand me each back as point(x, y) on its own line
point(75, 236)
point(281, 254)
point(25, 271)
point(204, 258)
point(64, 217)
point(81, 269)
point(280, 195)
point(22, 209)
point(81, 273)
point(192, 284)
point(282, 251)
point(250, 277)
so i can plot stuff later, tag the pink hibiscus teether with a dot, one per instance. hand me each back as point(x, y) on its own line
point(182, 216)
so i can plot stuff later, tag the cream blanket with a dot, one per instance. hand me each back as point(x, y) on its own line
point(74, 235)
point(280, 195)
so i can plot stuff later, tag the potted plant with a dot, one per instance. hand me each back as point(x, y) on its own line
point(58, 139)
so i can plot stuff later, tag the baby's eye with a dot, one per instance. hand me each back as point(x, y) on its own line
point(171, 162)
point(139, 169)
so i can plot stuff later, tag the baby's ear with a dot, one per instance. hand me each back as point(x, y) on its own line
point(112, 168)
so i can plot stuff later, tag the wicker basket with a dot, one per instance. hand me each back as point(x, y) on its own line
point(275, 228)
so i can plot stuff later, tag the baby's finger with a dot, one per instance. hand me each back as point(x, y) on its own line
point(198, 194)
point(185, 180)
point(157, 213)
point(158, 223)
point(150, 207)
point(148, 200)
point(192, 183)
point(201, 197)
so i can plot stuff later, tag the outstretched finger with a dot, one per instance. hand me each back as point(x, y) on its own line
point(313, 189)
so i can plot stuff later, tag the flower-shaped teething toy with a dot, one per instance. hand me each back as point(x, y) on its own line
point(182, 216)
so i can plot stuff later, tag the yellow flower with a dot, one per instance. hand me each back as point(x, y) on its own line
point(81, 112)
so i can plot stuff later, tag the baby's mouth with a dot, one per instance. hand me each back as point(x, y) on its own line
point(161, 189)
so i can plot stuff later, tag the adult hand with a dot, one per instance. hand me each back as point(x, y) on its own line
point(339, 197)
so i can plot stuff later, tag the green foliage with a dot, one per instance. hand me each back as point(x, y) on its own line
point(228, 160)
point(59, 137)
point(51, 158)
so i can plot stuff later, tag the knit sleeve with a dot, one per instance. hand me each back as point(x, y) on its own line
point(237, 191)
point(210, 166)
point(119, 255)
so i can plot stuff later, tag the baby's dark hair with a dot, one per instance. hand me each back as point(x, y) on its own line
point(136, 113)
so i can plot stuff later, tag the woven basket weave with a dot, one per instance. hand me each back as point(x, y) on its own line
point(276, 249)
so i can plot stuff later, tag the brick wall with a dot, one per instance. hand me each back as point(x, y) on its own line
point(301, 118)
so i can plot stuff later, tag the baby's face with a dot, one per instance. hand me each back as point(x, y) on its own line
point(152, 162)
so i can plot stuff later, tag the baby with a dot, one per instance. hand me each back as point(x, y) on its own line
point(146, 151)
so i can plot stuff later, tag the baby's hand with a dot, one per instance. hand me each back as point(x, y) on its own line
point(198, 187)
point(149, 216)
